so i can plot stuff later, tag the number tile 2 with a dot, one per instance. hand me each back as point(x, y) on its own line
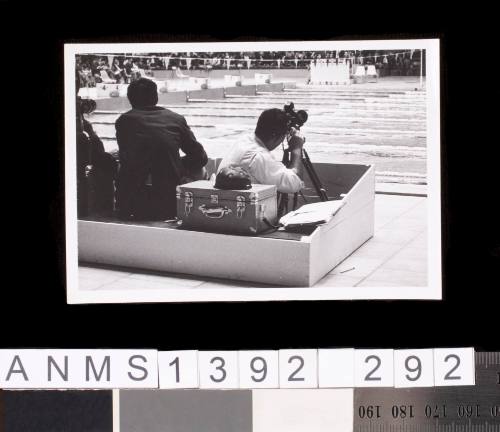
point(374, 368)
point(218, 369)
point(178, 369)
point(259, 369)
point(298, 368)
point(454, 366)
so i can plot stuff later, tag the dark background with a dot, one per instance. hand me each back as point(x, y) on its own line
point(33, 295)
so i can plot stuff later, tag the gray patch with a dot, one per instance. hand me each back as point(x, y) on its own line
point(186, 410)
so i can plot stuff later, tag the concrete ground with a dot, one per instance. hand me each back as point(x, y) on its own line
point(395, 256)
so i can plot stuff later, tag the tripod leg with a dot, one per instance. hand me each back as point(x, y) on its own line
point(320, 190)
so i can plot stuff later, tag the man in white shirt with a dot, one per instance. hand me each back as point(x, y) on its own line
point(255, 157)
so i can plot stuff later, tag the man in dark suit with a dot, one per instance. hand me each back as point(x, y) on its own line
point(149, 139)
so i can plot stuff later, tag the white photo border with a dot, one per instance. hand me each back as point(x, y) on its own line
point(433, 290)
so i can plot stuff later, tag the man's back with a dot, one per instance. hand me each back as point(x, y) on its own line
point(149, 140)
point(140, 130)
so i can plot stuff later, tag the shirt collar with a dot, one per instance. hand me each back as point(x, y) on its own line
point(259, 141)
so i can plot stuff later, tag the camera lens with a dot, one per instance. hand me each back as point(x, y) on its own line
point(302, 116)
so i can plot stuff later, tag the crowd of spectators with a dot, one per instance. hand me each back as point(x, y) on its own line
point(94, 69)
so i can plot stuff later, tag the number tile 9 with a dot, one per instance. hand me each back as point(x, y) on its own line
point(259, 369)
point(374, 368)
point(178, 369)
point(454, 366)
point(218, 369)
point(298, 368)
point(414, 368)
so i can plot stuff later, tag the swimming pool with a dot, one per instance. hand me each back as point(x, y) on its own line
point(382, 126)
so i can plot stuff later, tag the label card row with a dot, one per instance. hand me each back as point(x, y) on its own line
point(311, 368)
point(288, 368)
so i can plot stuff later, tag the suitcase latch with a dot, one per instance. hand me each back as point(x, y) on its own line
point(188, 202)
point(214, 199)
point(240, 206)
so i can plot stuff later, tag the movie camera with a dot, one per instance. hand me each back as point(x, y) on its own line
point(296, 119)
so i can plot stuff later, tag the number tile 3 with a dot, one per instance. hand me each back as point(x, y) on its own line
point(218, 369)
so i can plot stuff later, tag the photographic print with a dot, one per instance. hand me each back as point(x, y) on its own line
point(253, 171)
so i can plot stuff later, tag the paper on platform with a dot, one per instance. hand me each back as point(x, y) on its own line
point(312, 214)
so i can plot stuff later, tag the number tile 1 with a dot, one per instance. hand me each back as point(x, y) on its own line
point(178, 369)
point(454, 366)
point(374, 368)
point(298, 368)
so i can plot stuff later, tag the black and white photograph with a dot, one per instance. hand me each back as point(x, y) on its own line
point(288, 225)
point(253, 171)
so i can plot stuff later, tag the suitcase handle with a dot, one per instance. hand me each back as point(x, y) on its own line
point(214, 212)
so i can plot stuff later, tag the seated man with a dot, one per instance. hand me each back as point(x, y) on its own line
point(149, 139)
point(95, 169)
point(254, 154)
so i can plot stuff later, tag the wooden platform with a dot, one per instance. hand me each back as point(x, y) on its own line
point(273, 258)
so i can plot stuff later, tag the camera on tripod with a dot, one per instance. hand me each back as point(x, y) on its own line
point(296, 119)
point(85, 106)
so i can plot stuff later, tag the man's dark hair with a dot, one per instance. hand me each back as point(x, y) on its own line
point(142, 93)
point(271, 124)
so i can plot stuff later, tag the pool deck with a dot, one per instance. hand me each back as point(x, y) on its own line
point(395, 256)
